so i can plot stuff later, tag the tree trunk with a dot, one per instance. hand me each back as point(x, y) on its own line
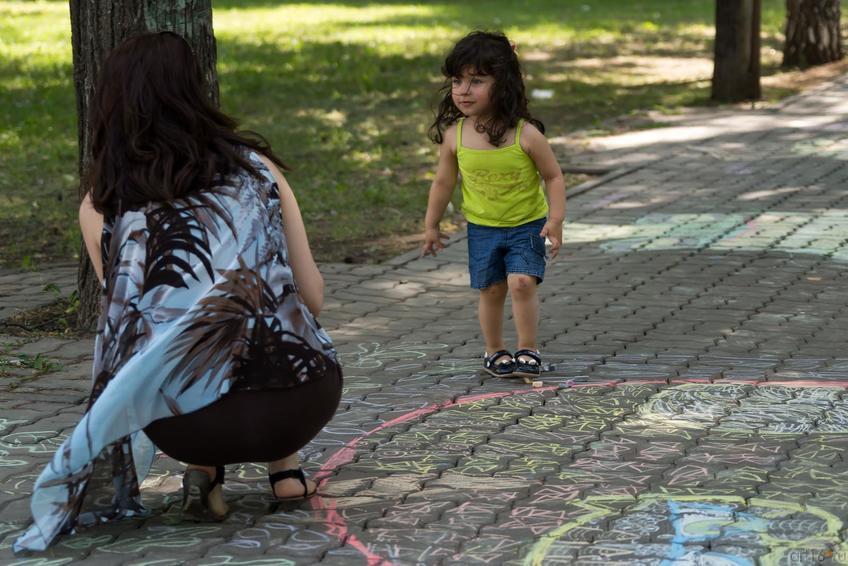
point(736, 74)
point(812, 33)
point(97, 26)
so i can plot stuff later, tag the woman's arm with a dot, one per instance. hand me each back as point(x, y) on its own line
point(309, 281)
point(91, 225)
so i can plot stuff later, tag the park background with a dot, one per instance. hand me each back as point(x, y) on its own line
point(344, 92)
point(698, 406)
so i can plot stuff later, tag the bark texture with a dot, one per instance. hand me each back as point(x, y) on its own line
point(736, 74)
point(97, 26)
point(812, 33)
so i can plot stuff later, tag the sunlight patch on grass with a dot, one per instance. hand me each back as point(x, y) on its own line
point(300, 17)
point(29, 7)
point(35, 33)
point(343, 91)
point(333, 118)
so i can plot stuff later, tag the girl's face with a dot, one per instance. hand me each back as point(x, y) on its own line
point(472, 92)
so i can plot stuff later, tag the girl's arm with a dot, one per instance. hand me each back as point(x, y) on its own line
point(91, 225)
point(440, 193)
point(309, 281)
point(539, 150)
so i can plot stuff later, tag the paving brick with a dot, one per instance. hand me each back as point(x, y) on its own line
point(699, 306)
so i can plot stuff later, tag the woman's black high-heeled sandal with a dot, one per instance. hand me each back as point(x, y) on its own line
point(196, 489)
point(286, 474)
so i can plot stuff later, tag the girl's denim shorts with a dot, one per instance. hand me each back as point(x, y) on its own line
point(494, 253)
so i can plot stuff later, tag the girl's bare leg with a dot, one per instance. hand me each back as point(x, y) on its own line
point(525, 309)
point(491, 312)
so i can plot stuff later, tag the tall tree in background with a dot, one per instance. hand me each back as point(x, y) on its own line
point(812, 33)
point(736, 74)
point(97, 26)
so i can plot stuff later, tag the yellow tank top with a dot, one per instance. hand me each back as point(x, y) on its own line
point(500, 187)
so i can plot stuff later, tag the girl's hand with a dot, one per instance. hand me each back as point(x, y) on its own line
point(432, 242)
point(553, 232)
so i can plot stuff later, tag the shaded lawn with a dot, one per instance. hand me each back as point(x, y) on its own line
point(343, 91)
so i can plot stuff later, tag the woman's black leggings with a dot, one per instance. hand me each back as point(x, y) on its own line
point(250, 426)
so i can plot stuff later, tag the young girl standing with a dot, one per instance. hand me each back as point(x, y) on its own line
point(486, 133)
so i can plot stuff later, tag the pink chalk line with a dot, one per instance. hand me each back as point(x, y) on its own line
point(748, 229)
point(338, 524)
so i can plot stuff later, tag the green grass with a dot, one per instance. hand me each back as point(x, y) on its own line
point(343, 91)
point(16, 363)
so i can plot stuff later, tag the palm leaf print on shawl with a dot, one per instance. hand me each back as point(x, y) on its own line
point(175, 233)
point(239, 327)
point(75, 484)
point(122, 327)
point(277, 358)
point(118, 346)
point(219, 327)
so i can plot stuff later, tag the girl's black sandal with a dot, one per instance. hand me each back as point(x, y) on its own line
point(525, 368)
point(196, 489)
point(499, 368)
point(285, 474)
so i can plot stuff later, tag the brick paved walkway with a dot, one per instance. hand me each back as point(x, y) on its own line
point(697, 413)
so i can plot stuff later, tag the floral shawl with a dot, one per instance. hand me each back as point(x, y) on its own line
point(199, 298)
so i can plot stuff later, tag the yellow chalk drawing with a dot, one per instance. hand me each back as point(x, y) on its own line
point(765, 508)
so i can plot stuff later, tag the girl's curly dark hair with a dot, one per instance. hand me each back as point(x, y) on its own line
point(155, 135)
point(492, 54)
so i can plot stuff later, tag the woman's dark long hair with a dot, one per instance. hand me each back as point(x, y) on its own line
point(155, 135)
point(492, 54)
